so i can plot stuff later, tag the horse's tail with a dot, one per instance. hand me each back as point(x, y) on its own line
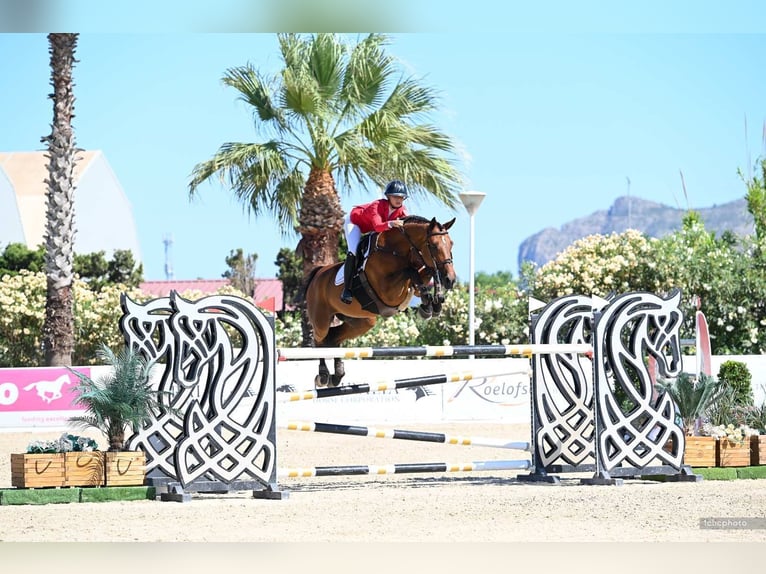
point(301, 298)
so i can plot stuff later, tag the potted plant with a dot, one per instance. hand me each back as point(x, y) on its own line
point(693, 396)
point(119, 400)
point(733, 444)
point(56, 463)
point(756, 419)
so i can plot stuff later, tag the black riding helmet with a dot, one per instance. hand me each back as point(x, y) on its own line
point(397, 188)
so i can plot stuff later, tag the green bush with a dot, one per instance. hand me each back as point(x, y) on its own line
point(736, 376)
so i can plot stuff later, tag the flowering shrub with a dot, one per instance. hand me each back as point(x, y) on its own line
point(287, 329)
point(599, 265)
point(22, 314)
point(500, 318)
point(727, 273)
point(400, 330)
point(96, 317)
point(65, 443)
point(734, 434)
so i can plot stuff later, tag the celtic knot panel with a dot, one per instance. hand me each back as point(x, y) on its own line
point(216, 388)
point(635, 423)
point(563, 384)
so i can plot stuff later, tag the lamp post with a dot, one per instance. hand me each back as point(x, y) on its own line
point(471, 200)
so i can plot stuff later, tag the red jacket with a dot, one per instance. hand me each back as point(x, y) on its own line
point(374, 216)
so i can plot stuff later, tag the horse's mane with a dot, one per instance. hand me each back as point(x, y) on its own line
point(416, 219)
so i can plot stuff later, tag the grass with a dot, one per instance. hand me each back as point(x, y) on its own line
point(9, 496)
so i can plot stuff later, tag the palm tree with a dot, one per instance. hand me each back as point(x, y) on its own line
point(58, 328)
point(120, 399)
point(692, 396)
point(336, 114)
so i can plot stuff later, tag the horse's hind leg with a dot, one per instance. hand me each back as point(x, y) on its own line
point(323, 377)
point(350, 328)
point(340, 372)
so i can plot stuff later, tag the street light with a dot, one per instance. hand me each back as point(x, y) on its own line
point(471, 200)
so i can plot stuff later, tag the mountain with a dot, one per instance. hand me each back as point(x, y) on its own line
point(653, 219)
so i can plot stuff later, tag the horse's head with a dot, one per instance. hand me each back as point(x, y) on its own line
point(431, 248)
point(440, 249)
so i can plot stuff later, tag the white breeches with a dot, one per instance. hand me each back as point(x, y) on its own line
point(352, 232)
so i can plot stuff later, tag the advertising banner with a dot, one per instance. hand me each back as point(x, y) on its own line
point(492, 390)
point(38, 397)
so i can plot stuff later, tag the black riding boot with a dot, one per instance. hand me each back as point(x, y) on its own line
point(348, 273)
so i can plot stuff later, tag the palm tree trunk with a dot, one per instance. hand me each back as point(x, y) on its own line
point(320, 223)
point(58, 329)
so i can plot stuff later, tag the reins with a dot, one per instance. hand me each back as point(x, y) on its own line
point(433, 270)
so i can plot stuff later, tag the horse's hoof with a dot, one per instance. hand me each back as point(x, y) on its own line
point(437, 309)
point(424, 312)
point(335, 381)
point(320, 382)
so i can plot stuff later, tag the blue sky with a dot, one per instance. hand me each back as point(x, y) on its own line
point(551, 124)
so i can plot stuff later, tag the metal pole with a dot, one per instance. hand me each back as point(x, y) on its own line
point(471, 200)
point(471, 289)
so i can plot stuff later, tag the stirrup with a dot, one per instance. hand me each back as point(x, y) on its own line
point(346, 297)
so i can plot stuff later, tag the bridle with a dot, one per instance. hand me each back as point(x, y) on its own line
point(432, 270)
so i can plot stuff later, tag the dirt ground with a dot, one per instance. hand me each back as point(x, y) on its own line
point(487, 506)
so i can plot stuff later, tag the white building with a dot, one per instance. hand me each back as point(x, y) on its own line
point(103, 215)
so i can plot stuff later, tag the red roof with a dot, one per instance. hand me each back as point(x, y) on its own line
point(268, 292)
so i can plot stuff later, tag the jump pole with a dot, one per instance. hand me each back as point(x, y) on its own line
point(385, 385)
point(402, 435)
point(403, 468)
point(290, 353)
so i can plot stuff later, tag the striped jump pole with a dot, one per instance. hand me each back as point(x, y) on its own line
point(404, 468)
point(385, 385)
point(402, 435)
point(289, 353)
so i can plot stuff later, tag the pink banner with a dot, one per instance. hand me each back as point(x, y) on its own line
point(38, 389)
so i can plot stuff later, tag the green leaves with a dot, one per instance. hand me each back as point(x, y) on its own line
point(338, 115)
point(120, 399)
point(693, 396)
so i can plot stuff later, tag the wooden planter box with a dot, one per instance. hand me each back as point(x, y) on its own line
point(78, 469)
point(84, 468)
point(126, 468)
point(37, 470)
point(700, 451)
point(731, 454)
point(758, 450)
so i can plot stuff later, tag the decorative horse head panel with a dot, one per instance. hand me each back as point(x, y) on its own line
point(563, 388)
point(217, 386)
point(634, 422)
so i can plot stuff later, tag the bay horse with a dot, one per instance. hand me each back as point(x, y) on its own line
point(399, 263)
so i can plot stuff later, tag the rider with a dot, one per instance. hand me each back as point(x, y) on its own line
point(377, 215)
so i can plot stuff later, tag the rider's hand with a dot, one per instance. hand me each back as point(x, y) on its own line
point(395, 223)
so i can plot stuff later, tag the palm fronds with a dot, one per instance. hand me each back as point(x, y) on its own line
point(124, 397)
point(692, 395)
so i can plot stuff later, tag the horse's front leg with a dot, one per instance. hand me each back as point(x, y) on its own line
point(438, 300)
point(425, 310)
point(340, 372)
point(323, 377)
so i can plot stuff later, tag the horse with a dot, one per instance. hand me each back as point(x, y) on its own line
point(49, 391)
point(399, 262)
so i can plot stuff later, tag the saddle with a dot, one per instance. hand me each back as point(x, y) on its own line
point(363, 292)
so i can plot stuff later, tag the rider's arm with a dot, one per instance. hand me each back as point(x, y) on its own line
point(371, 217)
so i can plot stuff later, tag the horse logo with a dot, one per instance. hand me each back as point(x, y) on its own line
point(49, 391)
